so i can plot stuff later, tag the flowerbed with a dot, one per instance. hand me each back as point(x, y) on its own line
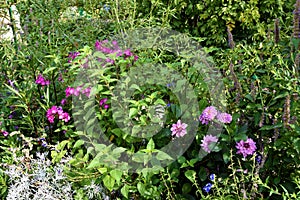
point(98, 102)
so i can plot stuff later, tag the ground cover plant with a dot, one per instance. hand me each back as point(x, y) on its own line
point(149, 99)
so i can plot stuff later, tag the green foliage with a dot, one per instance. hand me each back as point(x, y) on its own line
point(261, 78)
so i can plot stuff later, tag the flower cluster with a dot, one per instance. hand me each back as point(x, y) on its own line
point(102, 103)
point(76, 91)
point(102, 46)
point(210, 113)
point(73, 55)
point(42, 81)
point(246, 148)
point(57, 111)
point(207, 141)
point(179, 129)
point(208, 186)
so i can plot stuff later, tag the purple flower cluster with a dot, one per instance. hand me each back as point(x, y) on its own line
point(102, 46)
point(73, 55)
point(179, 129)
point(76, 91)
point(42, 81)
point(207, 141)
point(57, 111)
point(210, 113)
point(102, 103)
point(246, 148)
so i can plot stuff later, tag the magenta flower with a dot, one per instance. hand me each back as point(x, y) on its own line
point(208, 114)
point(64, 116)
point(207, 141)
point(73, 55)
point(247, 147)
point(102, 101)
point(42, 81)
point(77, 91)
point(179, 129)
point(63, 101)
point(224, 118)
point(69, 91)
point(57, 111)
point(5, 133)
point(86, 91)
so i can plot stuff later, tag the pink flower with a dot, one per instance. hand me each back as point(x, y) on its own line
point(179, 129)
point(42, 81)
point(106, 106)
point(69, 91)
point(5, 133)
point(224, 117)
point(64, 117)
point(247, 147)
point(54, 111)
point(77, 91)
point(102, 101)
point(63, 101)
point(207, 141)
point(73, 55)
point(208, 114)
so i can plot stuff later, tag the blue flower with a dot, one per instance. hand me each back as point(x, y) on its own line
point(106, 7)
point(258, 158)
point(212, 177)
point(207, 187)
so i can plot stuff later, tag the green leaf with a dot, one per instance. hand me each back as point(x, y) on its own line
point(125, 191)
point(181, 159)
point(150, 145)
point(132, 112)
point(191, 175)
point(141, 188)
point(94, 163)
point(163, 156)
point(78, 144)
point(270, 127)
point(109, 182)
point(117, 175)
point(102, 170)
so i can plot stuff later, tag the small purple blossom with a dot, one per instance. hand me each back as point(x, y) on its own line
point(73, 55)
point(5, 133)
point(179, 129)
point(86, 91)
point(208, 114)
point(207, 141)
point(102, 101)
point(42, 81)
point(63, 101)
point(106, 106)
point(246, 148)
point(69, 91)
point(224, 118)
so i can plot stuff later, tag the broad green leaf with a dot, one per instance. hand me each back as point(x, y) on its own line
point(125, 191)
point(109, 182)
point(117, 175)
